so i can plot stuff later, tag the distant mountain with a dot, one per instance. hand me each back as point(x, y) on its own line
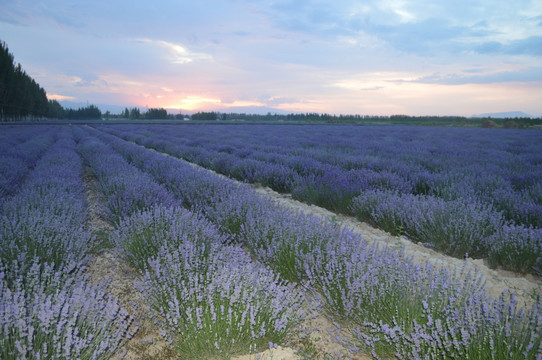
point(502, 115)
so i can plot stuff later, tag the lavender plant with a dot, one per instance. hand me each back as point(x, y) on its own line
point(517, 248)
point(125, 188)
point(215, 276)
point(399, 308)
point(140, 236)
point(409, 311)
point(223, 202)
point(12, 171)
point(57, 314)
point(51, 239)
point(477, 330)
point(454, 227)
point(288, 241)
point(219, 304)
point(45, 218)
point(21, 148)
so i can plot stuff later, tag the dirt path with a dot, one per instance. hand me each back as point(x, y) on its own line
point(105, 265)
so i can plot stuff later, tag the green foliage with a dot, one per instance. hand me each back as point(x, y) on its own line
point(152, 113)
point(55, 110)
point(156, 114)
point(20, 95)
point(205, 116)
point(85, 113)
point(453, 121)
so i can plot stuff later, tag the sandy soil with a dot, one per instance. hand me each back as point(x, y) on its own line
point(105, 266)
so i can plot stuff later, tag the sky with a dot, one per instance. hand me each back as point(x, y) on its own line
point(370, 57)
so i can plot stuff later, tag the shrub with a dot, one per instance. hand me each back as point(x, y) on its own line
point(456, 227)
point(489, 124)
point(140, 236)
point(219, 304)
point(48, 314)
point(516, 248)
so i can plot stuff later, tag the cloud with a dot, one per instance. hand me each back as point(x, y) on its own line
point(528, 46)
point(177, 54)
point(243, 103)
point(523, 75)
point(373, 81)
point(489, 47)
point(537, 20)
point(416, 27)
point(304, 16)
point(473, 71)
point(280, 100)
point(430, 35)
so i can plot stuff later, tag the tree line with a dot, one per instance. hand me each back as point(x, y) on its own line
point(21, 97)
point(135, 113)
point(455, 121)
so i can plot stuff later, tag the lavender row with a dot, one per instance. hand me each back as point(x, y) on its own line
point(457, 227)
point(124, 188)
point(212, 300)
point(396, 307)
point(353, 177)
point(49, 308)
point(50, 313)
point(45, 218)
point(330, 165)
point(443, 316)
point(224, 202)
point(20, 149)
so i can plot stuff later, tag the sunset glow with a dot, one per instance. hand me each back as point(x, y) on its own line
point(194, 103)
point(59, 97)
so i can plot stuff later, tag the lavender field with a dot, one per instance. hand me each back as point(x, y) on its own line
point(227, 272)
point(460, 191)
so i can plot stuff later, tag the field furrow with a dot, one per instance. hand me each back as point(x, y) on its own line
point(147, 343)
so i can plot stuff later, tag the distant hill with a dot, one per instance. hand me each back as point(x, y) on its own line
point(502, 115)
